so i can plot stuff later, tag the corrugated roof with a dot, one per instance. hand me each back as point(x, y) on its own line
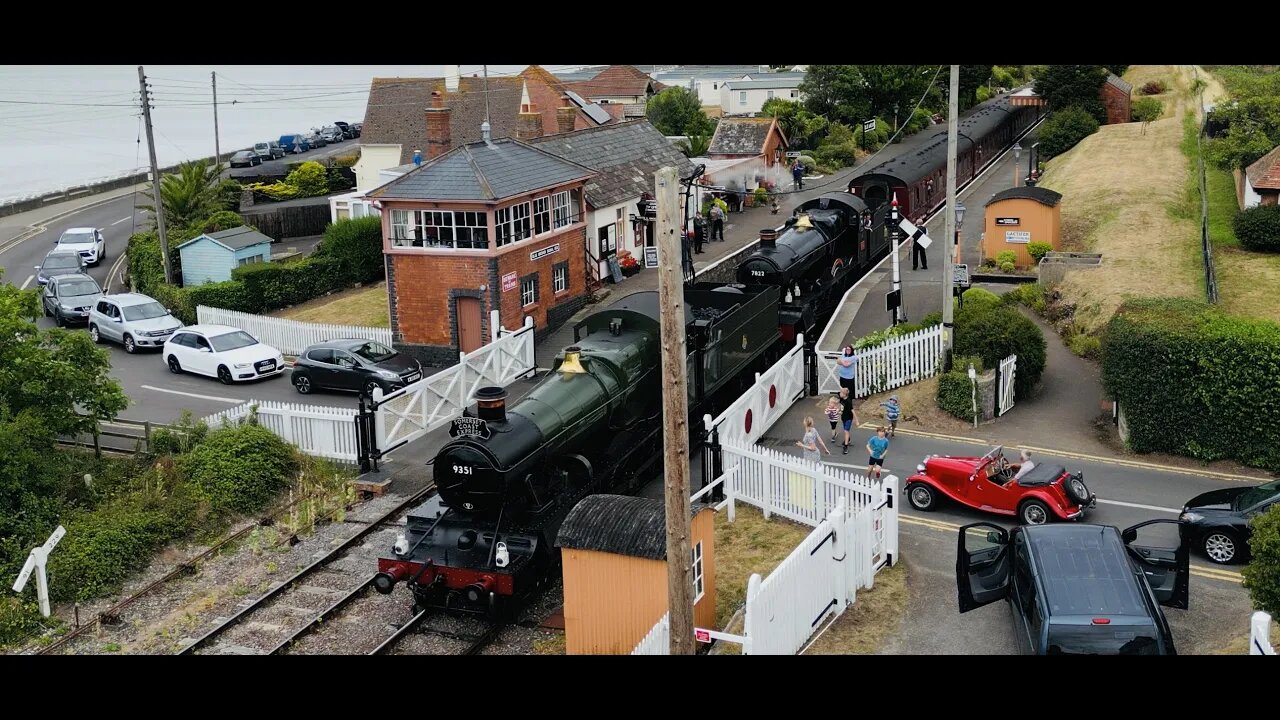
point(740, 136)
point(624, 156)
point(1044, 196)
point(767, 83)
point(1119, 84)
point(236, 238)
point(618, 524)
point(480, 172)
point(1265, 171)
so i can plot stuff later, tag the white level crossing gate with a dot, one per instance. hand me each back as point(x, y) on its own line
point(1004, 384)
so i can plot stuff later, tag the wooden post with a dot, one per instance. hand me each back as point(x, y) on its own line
point(675, 410)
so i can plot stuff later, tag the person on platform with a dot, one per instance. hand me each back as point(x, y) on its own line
point(917, 251)
point(797, 174)
point(716, 213)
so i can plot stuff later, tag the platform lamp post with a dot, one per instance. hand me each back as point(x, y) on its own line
point(959, 224)
point(1017, 153)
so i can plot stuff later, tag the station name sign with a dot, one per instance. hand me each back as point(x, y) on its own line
point(548, 250)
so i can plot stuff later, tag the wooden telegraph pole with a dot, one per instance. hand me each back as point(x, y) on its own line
point(155, 177)
point(948, 280)
point(675, 429)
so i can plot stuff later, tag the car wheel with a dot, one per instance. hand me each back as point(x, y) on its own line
point(57, 319)
point(1034, 512)
point(46, 310)
point(1076, 490)
point(369, 387)
point(129, 345)
point(93, 335)
point(921, 496)
point(302, 383)
point(224, 375)
point(1221, 547)
point(174, 367)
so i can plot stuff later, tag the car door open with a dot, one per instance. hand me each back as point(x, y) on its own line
point(1168, 570)
point(982, 565)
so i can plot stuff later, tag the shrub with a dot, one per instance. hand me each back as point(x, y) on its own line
point(310, 178)
point(1006, 256)
point(228, 295)
point(19, 618)
point(1064, 130)
point(239, 468)
point(1153, 87)
point(221, 220)
point(1258, 228)
point(178, 300)
point(1146, 110)
point(1008, 267)
point(996, 332)
point(955, 393)
point(187, 433)
point(808, 161)
point(105, 546)
point(269, 286)
point(1183, 372)
point(978, 297)
point(357, 244)
point(1037, 250)
point(347, 160)
point(1262, 574)
point(933, 318)
point(339, 179)
point(1086, 346)
point(275, 191)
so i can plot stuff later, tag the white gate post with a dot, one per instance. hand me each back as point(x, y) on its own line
point(750, 617)
point(495, 324)
point(1260, 634)
point(890, 518)
point(840, 554)
point(462, 381)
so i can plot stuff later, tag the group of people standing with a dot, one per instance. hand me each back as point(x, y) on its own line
point(840, 413)
point(710, 225)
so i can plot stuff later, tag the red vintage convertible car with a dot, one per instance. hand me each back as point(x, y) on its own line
point(986, 483)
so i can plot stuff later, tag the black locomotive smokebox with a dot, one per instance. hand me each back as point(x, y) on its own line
point(491, 404)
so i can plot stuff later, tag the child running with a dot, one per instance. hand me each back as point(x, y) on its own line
point(877, 447)
point(833, 415)
point(892, 412)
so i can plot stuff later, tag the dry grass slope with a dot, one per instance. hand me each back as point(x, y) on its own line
point(365, 306)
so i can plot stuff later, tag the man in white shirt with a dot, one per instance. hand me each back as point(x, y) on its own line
point(1023, 467)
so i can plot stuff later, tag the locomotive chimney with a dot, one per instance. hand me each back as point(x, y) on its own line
point(491, 404)
point(572, 361)
point(768, 238)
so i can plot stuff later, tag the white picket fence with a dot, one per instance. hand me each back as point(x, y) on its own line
point(901, 361)
point(774, 391)
point(328, 432)
point(419, 408)
point(1259, 634)
point(855, 536)
point(288, 336)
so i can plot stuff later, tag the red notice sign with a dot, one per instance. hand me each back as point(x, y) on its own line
point(509, 282)
point(701, 635)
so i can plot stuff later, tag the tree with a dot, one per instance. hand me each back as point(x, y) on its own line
point(192, 194)
point(677, 111)
point(802, 128)
point(1262, 574)
point(1253, 126)
point(973, 77)
point(695, 146)
point(1064, 129)
point(1065, 85)
point(310, 179)
point(1147, 110)
point(836, 92)
point(1116, 70)
point(894, 86)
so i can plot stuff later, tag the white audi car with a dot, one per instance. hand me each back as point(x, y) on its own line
point(87, 241)
point(227, 353)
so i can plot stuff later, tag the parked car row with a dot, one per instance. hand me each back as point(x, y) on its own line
point(296, 143)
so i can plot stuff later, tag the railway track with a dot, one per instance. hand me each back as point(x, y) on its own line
point(263, 637)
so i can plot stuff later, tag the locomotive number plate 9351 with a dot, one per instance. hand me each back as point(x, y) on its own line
point(462, 469)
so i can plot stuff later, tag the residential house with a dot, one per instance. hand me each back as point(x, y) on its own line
point(210, 257)
point(491, 225)
point(624, 157)
point(1116, 95)
point(748, 95)
point(757, 137)
point(1260, 182)
point(619, 85)
point(705, 80)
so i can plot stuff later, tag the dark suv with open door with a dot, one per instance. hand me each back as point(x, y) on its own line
point(1075, 589)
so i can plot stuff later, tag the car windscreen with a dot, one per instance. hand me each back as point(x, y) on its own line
point(374, 352)
point(59, 262)
point(1102, 640)
point(232, 341)
point(145, 311)
point(75, 238)
point(77, 287)
point(1255, 495)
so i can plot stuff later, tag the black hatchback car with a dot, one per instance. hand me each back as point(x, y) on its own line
point(1217, 522)
point(359, 365)
point(1075, 589)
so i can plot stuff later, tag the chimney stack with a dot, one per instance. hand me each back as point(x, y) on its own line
point(451, 77)
point(491, 404)
point(439, 137)
point(565, 117)
point(529, 124)
point(485, 134)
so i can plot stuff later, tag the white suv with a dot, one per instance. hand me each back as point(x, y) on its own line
point(227, 353)
point(87, 241)
point(135, 321)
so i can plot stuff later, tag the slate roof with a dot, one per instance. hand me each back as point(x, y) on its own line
point(617, 81)
point(620, 525)
point(235, 238)
point(1044, 196)
point(624, 156)
point(740, 136)
point(477, 171)
point(1119, 84)
point(1265, 171)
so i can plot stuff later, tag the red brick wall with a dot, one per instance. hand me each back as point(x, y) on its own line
point(572, 248)
point(422, 293)
point(1117, 104)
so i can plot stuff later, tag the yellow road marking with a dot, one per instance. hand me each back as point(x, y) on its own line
point(1209, 573)
point(1197, 472)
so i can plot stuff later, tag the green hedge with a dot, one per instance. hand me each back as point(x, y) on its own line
point(955, 390)
point(240, 468)
point(1258, 228)
point(1064, 129)
point(994, 331)
point(1262, 574)
point(105, 546)
point(357, 244)
point(1195, 381)
point(268, 286)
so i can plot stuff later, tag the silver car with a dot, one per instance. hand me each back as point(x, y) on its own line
point(133, 320)
point(68, 298)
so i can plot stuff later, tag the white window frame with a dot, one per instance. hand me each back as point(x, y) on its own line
point(442, 221)
point(529, 290)
point(400, 228)
point(560, 277)
point(542, 210)
point(471, 221)
point(502, 235)
point(770, 97)
point(699, 585)
point(521, 221)
point(742, 97)
point(561, 210)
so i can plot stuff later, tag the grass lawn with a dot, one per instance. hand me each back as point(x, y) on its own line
point(1125, 196)
point(749, 544)
point(364, 306)
point(866, 625)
